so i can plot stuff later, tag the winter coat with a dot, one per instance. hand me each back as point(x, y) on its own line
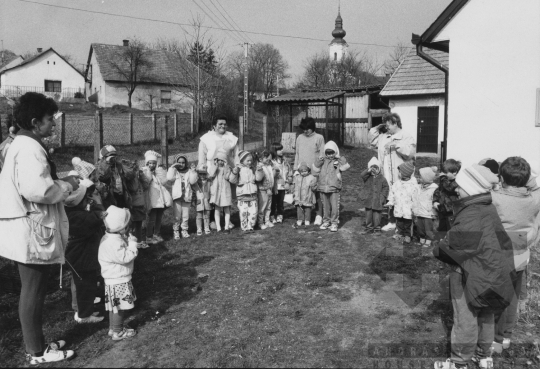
point(281, 181)
point(211, 142)
point(181, 188)
point(404, 150)
point(116, 257)
point(107, 175)
point(423, 201)
point(245, 181)
point(155, 195)
point(308, 149)
point(479, 245)
point(220, 188)
point(137, 187)
point(85, 231)
point(402, 194)
point(377, 190)
point(445, 194)
point(4, 146)
point(201, 189)
point(329, 171)
point(33, 224)
point(518, 208)
point(265, 178)
point(304, 190)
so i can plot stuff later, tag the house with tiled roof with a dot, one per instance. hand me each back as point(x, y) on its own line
point(416, 92)
point(9, 59)
point(47, 72)
point(160, 84)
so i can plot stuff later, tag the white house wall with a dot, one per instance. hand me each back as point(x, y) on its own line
point(36, 72)
point(494, 74)
point(116, 94)
point(407, 109)
point(97, 83)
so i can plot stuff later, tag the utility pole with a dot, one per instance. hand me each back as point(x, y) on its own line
point(198, 89)
point(246, 102)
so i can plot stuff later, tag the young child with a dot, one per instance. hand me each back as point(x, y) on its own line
point(157, 196)
point(178, 176)
point(518, 207)
point(138, 185)
point(378, 189)
point(401, 198)
point(201, 186)
point(281, 183)
point(423, 205)
point(264, 177)
point(304, 187)
point(482, 273)
point(246, 191)
point(330, 184)
point(85, 232)
point(445, 195)
point(220, 189)
point(116, 257)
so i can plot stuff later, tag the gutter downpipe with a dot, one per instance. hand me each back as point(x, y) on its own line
point(417, 40)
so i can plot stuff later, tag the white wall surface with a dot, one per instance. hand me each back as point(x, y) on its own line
point(494, 74)
point(116, 94)
point(407, 109)
point(36, 72)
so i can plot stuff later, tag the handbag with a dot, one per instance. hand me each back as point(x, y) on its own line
point(289, 198)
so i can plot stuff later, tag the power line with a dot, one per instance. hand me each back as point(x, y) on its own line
point(215, 22)
point(230, 24)
point(209, 27)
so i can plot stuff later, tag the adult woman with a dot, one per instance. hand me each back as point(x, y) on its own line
point(33, 223)
point(211, 142)
point(394, 147)
point(309, 147)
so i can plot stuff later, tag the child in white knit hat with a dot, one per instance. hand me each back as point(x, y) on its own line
point(423, 205)
point(158, 198)
point(303, 188)
point(378, 189)
point(246, 190)
point(116, 257)
point(220, 189)
point(178, 176)
point(201, 186)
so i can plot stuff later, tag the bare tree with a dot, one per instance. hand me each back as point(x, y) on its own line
point(396, 57)
point(133, 65)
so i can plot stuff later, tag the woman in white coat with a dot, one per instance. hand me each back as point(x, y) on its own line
point(33, 223)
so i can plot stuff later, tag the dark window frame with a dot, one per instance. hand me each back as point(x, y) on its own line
point(56, 86)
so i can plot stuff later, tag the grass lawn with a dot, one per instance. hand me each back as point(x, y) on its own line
point(275, 298)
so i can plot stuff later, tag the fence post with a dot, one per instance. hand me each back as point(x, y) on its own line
point(130, 128)
point(265, 133)
point(98, 134)
point(175, 117)
point(154, 124)
point(241, 132)
point(192, 130)
point(63, 130)
point(164, 143)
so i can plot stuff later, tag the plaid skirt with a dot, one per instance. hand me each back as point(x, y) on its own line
point(119, 297)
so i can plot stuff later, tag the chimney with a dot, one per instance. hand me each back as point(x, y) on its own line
point(39, 50)
point(126, 42)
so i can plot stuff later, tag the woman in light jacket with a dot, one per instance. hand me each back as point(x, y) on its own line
point(33, 223)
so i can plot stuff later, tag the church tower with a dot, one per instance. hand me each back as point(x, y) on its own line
point(338, 47)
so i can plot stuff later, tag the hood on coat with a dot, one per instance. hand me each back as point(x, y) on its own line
point(177, 157)
point(374, 161)
point(331, 145)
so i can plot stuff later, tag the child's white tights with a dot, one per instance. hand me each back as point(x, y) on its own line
point(227, 211)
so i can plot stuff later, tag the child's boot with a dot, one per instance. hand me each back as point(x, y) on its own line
point(407, 240)
point(269, 222)
point(427, 243)
point(272, 219)
point(207, 230)
point(125, 333)
point(199, 231)
point(307, 223)
point(318, 220)
point(185, 233)
point(297, 224)
point(176, 230)
point(334, 228)
point(279, 219)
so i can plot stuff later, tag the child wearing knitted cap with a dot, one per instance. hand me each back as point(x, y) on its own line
point(113, 173)
point(246, 190)
point(158, 198)
point(182, 194)
point(303, 188)
point(401, 198)
point(446, 194)
point(476, 248)
point(423, 205)
point(220, 189)
point(265, 176)
point(116, 256)
point(378, 190)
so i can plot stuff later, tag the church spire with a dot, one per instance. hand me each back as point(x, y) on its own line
point(339, 33)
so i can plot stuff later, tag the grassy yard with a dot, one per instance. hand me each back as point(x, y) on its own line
point(275, 298)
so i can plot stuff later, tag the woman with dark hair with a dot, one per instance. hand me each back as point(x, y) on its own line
point(33, 223)
point(309, 147)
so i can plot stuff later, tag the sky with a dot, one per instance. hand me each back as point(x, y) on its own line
point(27, 25)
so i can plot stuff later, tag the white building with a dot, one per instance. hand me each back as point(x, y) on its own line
point(46, 72)
point(159, 89)
point(494, 78)
point(338, 47)
point(416, 92)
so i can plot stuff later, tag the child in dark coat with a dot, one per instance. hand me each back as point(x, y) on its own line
point(445, 195)
point(479, 252)
point(378, 189)
point(85, 231)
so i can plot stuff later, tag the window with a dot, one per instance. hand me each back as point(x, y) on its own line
point(165, 97)
point(53, 86)
point(335, 56)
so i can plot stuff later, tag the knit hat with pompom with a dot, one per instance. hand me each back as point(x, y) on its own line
point(428, 174)
point(82, 167)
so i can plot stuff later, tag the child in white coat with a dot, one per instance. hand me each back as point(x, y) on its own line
point(201, 186)
point(401, 197)
point(264, 177)
point(182, 195)
point(116, 257)
point(220, 189)
point(158, 198)
point(246, 191)
point(423, 205)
